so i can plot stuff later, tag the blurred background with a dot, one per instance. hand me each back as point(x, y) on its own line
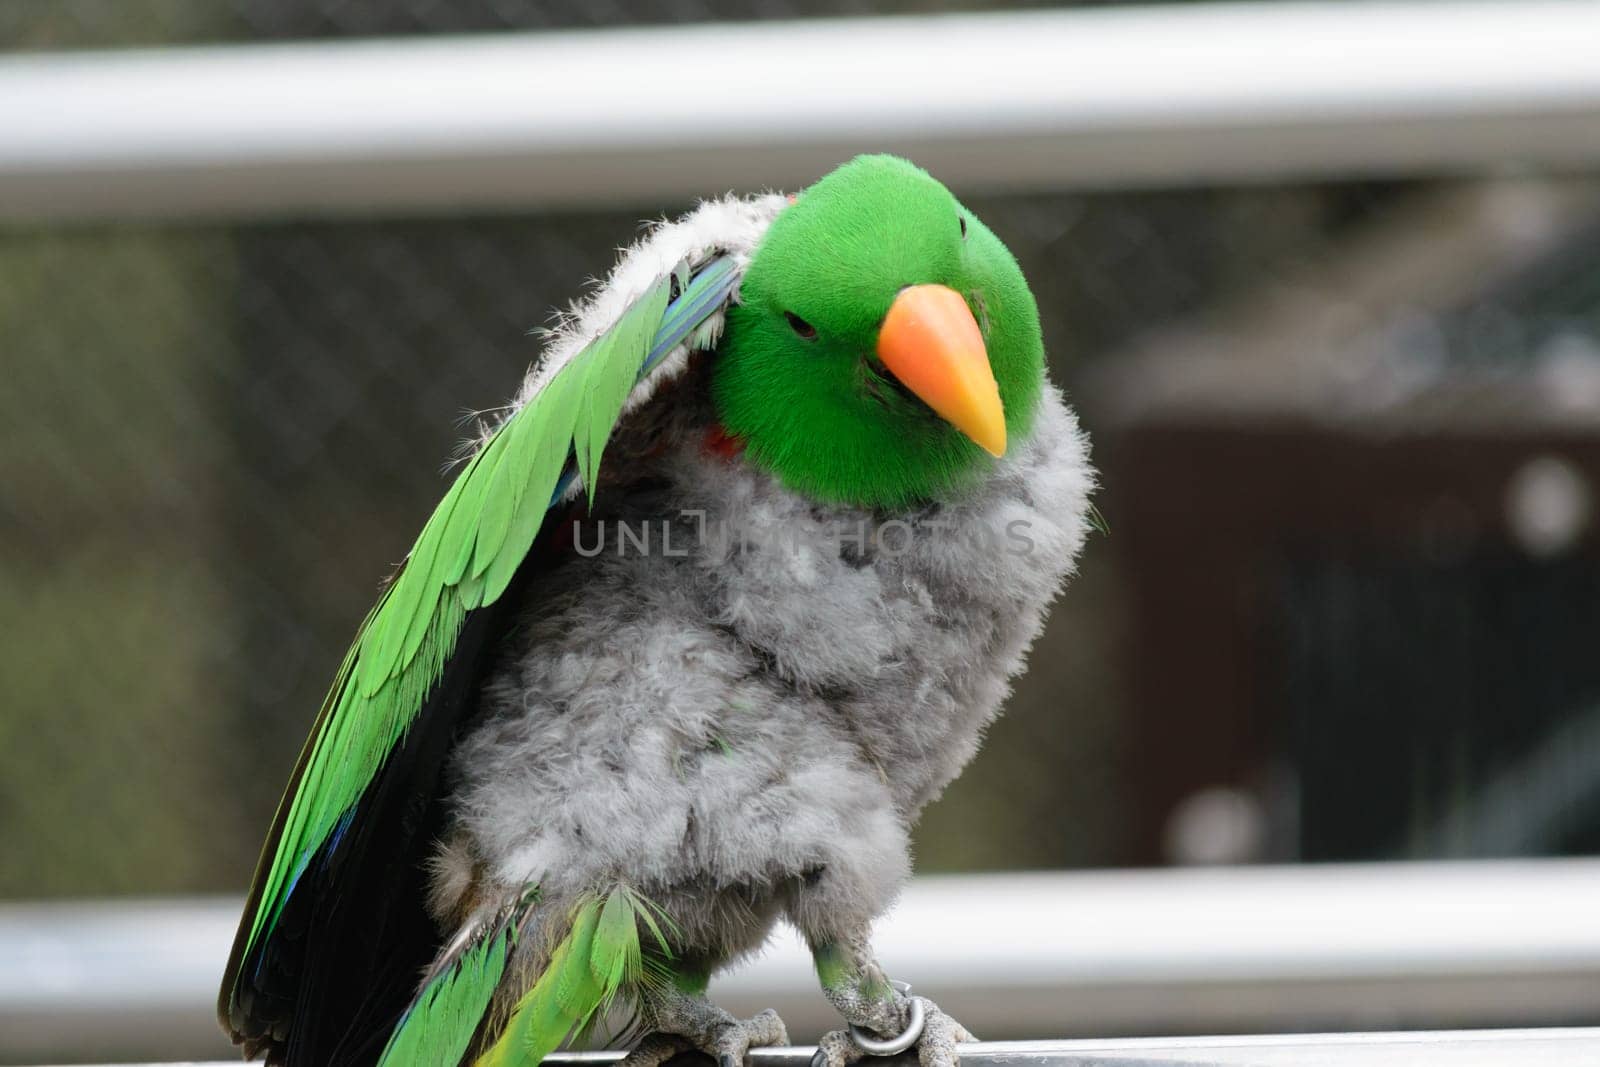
point(1341, 371)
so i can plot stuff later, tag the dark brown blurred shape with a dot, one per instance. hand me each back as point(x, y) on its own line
point(1354, 512)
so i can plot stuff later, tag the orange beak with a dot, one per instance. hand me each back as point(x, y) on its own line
point(932, 344)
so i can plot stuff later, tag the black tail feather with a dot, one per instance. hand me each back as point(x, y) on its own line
point(329, 983)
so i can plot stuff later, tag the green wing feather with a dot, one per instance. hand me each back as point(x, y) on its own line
point(464, 558)
point(440, 1025)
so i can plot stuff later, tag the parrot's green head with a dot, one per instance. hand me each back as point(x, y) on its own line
point(885, 346)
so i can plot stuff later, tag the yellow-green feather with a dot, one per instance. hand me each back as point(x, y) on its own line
point(615, 956)
point(600, 958)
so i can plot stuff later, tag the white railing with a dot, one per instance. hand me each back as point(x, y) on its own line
point(1165, 95)
point(1184, 951)
point(1480, 1048)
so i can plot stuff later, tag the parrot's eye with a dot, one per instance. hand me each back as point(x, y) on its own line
point(800, 326)
point(963, 220)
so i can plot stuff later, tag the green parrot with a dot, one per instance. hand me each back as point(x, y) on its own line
point(725, 598)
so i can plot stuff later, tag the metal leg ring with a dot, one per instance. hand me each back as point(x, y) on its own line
point(893, 1046)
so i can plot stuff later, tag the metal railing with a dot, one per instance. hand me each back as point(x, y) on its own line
point(1163, 95)
point(1482, 1048)
point(1123, 952)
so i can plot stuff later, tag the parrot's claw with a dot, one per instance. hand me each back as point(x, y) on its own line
point(762, 1030)
point(726, 1042)
point(837, 1049)
point(940, 1036)
point(936, 1047)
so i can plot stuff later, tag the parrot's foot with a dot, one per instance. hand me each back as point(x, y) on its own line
point(936, 1047)
point(724, 1039)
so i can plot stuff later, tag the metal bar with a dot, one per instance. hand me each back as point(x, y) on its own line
point(1124, 952)
point(1469, 1048)
point(1165, 95)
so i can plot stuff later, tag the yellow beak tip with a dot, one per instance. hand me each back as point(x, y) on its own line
point(987, 434)
point(930, 341)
